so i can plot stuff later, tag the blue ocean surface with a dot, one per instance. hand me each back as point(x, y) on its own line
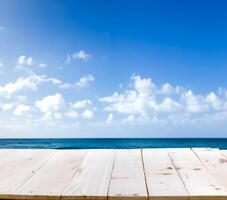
point(124, 143)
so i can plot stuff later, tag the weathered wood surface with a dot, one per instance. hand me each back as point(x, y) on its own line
point(127, 171)
point(198, 181)
point(18, 171)
point(93, 176)
point(162, 178)
point(154, 174)
point(215, 162)
point(51, 180)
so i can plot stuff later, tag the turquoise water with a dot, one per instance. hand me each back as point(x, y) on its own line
point(112, 143)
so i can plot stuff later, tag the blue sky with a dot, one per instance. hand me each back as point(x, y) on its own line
point(113, 68)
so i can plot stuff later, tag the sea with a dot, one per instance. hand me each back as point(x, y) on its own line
point(113, 143)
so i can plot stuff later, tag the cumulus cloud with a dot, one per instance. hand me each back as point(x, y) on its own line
point(85, 81)
point(22, 99)
point(142, 101)
point(52, 103)
point(6, 106)
point(21, 110)
point(82, 104)
point(53, 107)
point(194, 103)
point(21, 83)
point(145, 101)
point(79, 55)
point(72, 114)
point(65, 86)
point(129, 102)
point(169, 105)
point(42, 65)
point(88, 114)
point(51, 116)
point(31, 82)
point(166, 88)
point(222, 92)
point(144, 86)
point(215, 101)
point(23, 61)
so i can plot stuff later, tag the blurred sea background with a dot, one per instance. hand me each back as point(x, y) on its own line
point(113, 143)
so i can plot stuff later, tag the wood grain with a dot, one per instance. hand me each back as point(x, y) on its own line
point(162, 178)
point(199, 182)
point(93, 176)
point(15, 173)
point(128, 180)
point(50, 181)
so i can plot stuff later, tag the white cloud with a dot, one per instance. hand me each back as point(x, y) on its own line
point(72, 114)
point(80, 55)
point(222, 92)
point(2, 28)
point(214, 100)
point(85, 81)
point(51, 104)
point(22, 98)
point(52, 80)
point(144, 86)
point(129, 119)
point(167, 89)
point(53, 107)
point(50, 117)
point(42, 65)
point(26, 83)
point(140, 99)
point(82, 104)
point(65, 86)
point(141, 102)
point(109, 118)
point(88, 114)
point(22, 61)
point(21, 84)
point(194, 104)
point(127, 103)
point(1, 65)
point(21, 110)
point(57, 115)
point(169, 105)
point(146, 101)
point(6, 106)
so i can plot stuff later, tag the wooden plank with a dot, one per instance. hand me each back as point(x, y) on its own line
point(224, 153)
point(162, 179)
point(127, 180)
point(215, 162)
point(92, 178)
point(50, 181)
point(198, 181)
point(15, 173)
point(7, 155)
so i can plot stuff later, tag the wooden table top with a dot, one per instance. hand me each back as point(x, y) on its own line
point(139, 174)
